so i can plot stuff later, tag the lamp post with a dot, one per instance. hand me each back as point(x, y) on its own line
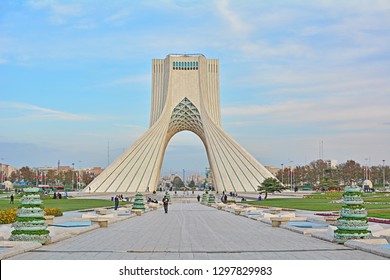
point(282, 173)
point(58, 172)
point(384, 173)
point(2, 170)
point(184, 175)
point(79, 181)
point(366, 170)
point(72, 175)
point(291, 175)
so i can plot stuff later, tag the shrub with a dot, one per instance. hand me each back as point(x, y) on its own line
point(53, 212)
point(7, 216)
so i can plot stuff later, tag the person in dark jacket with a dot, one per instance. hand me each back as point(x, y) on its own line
point(165, 203)
point(116, 202)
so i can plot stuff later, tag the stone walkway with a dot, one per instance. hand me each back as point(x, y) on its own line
point(193, 231)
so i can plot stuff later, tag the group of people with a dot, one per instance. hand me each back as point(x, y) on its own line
point(118, 198)
point(149, 200)
point(224, 196)
point(58, 195)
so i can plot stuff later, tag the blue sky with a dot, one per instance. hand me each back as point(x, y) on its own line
point(76, 75)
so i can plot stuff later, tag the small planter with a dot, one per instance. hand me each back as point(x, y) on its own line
point(49, 219)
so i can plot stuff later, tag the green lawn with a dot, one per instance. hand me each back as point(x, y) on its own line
point(323, 202)
point(312, 204)
point(64, 204)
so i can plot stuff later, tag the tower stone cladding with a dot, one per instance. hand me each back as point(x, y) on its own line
point(185, 96)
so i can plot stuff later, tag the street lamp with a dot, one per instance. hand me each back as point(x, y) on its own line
point(72, 175)
point(58, 172)
point(79, 180)
point(291, 175)
point(2, 171)
point(383, 173)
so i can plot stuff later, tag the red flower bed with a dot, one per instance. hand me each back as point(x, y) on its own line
point(379, 220)
point(327, 214)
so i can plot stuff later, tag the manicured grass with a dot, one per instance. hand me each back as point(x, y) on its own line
point(312, 204)
point(379, 213)
point(323, 202)
point(64, 204)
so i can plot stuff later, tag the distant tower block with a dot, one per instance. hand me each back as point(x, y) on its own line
point(185, 96)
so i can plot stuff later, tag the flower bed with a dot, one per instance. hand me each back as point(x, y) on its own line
point(327, 214)
point(7, 216)
point(53, 212)
point(379, 220)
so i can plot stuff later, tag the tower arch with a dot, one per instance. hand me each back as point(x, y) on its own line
point(184, 97)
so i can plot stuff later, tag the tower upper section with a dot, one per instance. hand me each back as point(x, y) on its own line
point(190, 76)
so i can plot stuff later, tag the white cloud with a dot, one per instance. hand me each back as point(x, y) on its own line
point(128, 126)
point(119, 17)
point(59, 13)
point(332, 113)
point(27, 112)
point(129, 80)
point(234, 20)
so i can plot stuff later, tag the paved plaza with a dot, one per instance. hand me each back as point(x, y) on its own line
point(193, 231)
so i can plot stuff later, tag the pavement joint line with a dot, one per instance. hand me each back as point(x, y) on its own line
point(193, 252)
point(236, 251)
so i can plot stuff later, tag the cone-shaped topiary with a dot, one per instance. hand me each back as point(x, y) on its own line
point(204, 198)
point(30, 224)
point(353, 223)
point(139, 203)
point(168, 196)
point(211, 198)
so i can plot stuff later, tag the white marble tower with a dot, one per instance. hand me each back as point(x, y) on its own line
point(185, 96)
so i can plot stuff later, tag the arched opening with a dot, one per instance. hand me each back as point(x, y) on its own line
point(185, 156)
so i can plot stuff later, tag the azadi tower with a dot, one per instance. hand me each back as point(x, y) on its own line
point(185, 96)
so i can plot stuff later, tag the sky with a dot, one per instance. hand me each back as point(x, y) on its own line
point(299, 80)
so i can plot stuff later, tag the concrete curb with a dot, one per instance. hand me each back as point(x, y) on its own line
point(371, 248)
point(17, 247)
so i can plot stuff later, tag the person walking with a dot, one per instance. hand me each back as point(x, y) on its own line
point(116, 202)
point(11, 199)
point(198, 197)
point(165, 202)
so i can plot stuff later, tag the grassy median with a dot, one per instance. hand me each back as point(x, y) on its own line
point(68, 204)
point(377, 204)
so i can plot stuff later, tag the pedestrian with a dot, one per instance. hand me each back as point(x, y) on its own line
point(225, 198)
point(165, 203)
point(11, 199)
point(198, 197)
point(116, 202)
